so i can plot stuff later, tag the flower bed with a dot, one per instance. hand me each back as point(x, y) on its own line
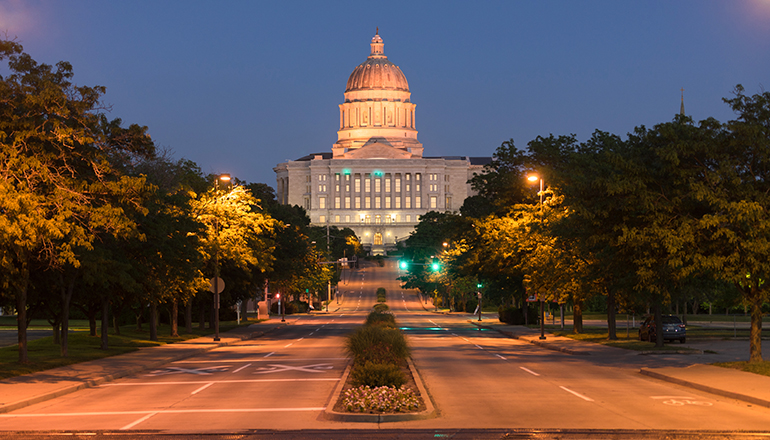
point(380, 399)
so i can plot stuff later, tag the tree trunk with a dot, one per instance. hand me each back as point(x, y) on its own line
point(611, 323)
point(658, 325)
point(577, 318)
point(66, 293)
point(57, 333)
point(755, 340)
point(174, 318)
point(201, 314)
point(105, 322)
point(92, 323)
point(153, 321)
point(21, 313)
point(139, 317)
point(188, 316)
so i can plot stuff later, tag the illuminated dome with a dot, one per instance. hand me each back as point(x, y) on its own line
point(377, 72)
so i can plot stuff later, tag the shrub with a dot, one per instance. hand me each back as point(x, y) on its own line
point(381, 318)
point(381, 308)
point(378, 344)
point(377, 375)
point(381, 294)
point(291, 307)
point(515, 316)
point(366, 399)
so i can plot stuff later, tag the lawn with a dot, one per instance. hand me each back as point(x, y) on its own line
point(631, 342)
point(44, 354)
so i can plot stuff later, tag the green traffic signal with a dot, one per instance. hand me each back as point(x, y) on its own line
point(402, 264)
point(435, 266)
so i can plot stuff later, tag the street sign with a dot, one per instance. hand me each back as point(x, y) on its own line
point(220, 285)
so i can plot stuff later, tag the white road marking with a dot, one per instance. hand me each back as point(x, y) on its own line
point(501, 357)
point(262, 359)
point(587, 399)
point(479, 346)
point(202, 388)
point(194, 382)
point(198, 371)
point(152, 413)
point(288, 345)
point(270, 354)
point(131, 425)
point(529, 371)
point(278, 368)
point(239, 369)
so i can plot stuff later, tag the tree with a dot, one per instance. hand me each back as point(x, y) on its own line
point(58, 190)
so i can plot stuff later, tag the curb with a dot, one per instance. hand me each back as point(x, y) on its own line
point(546, 345)
point(729, 394)
point(429, 413)
point(89, 383)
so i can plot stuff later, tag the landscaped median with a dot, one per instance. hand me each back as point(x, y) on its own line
point(380, 383)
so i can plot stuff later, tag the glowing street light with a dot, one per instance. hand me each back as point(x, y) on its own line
point(535, 178)
point(223, 178)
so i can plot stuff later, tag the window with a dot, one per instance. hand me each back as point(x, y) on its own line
point(378, 239)
point(416, 187)
point(336, 219)
point(322, 177)
point(377, 219)
point(418, 202)
point(433, 202)
point(408, 188)
point(367, 183)
point(358, 183)
point(307, 203)
point(408, 202)
point(408, 218)
point(367, 202)
point(387, 185)
point(337, 203)
point(397, 202)
point(337, 188)
point(448, 202)
point(433, 187)
point(377, 202)
point(322, 203)
point(322, 219)
point(337, 177)
point(417, 177)
point(347, 219)
point(398, 218)
point(347, 202)
point(387, 202)
point(398, 185)
point(321, 188)
point(377, 184)
point(358, 202)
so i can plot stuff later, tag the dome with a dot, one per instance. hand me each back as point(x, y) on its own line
point(377, 73)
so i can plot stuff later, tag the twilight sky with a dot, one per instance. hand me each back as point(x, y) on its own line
point(239, 86)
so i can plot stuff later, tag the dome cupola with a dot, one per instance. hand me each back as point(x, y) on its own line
point(377, 73)
point(377, 106)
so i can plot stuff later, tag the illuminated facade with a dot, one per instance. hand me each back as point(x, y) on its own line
point(376, 180)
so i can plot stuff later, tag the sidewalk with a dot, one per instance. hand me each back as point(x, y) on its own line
point(726, 382)
point(18, 392)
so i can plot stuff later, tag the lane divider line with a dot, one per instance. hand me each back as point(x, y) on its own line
point(501, 357)
point(239, 369)
point(529, 371)
point(587, 399)
point(131, 425)
point(202, 388)
point(270, 354)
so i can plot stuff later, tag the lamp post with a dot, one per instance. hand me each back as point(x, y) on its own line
point(535, 178)
point(223, 178)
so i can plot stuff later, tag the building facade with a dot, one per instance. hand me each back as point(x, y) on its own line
point(376, 180)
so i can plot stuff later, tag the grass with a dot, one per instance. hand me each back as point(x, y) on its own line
point(762, 368)
point(8, 322)
point(631, 342)
point(44, 354)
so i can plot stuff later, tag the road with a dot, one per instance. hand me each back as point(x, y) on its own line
point(477, 379)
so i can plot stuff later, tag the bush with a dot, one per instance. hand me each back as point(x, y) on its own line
point(381, 294)
point(381, 308)
point(291, 307)
point(377, 344)
point(381, 318)
point(377, 375)
point(515, 316)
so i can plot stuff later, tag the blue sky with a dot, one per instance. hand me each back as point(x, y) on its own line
point(239, 86)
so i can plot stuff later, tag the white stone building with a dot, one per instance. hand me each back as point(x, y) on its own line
point(376, 180)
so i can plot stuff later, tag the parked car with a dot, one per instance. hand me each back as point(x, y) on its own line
point(673, 328)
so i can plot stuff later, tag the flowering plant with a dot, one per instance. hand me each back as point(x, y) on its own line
point(380, 399)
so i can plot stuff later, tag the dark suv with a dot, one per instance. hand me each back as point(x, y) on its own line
point(673, 328)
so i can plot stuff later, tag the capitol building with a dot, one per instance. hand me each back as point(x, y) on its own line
point(376, 180)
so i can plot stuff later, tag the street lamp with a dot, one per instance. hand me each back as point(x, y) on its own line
point(535, 178)
point(223, 178)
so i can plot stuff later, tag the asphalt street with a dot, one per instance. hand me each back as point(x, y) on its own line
point(476, 378)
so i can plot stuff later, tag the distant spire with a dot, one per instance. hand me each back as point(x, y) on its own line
point(681, 107)
point(377, 30)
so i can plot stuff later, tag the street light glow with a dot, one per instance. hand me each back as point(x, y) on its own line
point(533, 178)
point(224, 177)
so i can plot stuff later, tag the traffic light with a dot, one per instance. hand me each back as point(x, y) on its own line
point(435, 266)
point(479, 286)
point(403, 264)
